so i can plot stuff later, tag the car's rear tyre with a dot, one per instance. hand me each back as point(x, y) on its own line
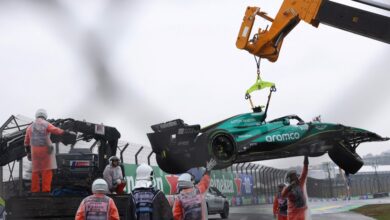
point(225, 213)
point(222, 148)
point(347, 160)
point(172, 166)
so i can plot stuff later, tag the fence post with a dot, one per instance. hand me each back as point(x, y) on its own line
point(274, 181)
point(151, 153)
point(136, 155)
point(251, 166)
point(262, 179)
point(123, 150)
point(256, 180)
point(268, 183)
point(246, 168)
point(242, 166)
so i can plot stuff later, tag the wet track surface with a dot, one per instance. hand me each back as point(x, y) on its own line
point(334, 210)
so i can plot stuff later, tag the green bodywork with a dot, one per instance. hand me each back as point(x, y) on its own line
point(249, 137)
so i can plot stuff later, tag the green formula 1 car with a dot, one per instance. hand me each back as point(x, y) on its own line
point(249, 137)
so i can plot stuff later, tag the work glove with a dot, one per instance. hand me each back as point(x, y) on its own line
point(29, 156)
point(50, 149)
point(210, 164)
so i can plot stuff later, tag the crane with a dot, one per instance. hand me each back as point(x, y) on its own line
point(266, 43)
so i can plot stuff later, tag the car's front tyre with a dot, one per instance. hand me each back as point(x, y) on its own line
point(346, 158)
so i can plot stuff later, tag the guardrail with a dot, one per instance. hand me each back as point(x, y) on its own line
point(263, 180)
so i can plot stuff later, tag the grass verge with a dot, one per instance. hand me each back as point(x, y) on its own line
point(379, 211)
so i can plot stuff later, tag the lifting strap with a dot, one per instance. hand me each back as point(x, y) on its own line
point(259, 85)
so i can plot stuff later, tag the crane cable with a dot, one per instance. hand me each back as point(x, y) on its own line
point(247, 95)
point(258, 66)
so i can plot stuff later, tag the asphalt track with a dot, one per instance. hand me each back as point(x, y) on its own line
point(334, 210)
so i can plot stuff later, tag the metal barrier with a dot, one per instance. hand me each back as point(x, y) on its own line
point(266, 179)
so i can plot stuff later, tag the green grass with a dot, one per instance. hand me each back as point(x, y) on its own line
point(379, 212)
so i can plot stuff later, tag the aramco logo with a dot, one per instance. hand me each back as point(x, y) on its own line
point(283, 137)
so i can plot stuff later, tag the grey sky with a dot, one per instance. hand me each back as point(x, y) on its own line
point(130, 64)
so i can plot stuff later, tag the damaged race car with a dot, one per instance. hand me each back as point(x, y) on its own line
point(249, 137)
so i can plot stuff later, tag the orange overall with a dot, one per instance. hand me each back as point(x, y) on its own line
point(41, 159)
point(278, 202)
point(297, 206)
point(201, 187)
point(99, 206)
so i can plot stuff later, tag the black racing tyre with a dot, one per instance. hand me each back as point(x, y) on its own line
point(222, 148)
point(347, 160)
point(172, 166)
point(225, 213)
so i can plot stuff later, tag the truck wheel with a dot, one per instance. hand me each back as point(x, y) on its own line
point(225, 213)
point(347, 160)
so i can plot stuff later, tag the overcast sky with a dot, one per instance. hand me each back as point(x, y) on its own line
point(131, 64)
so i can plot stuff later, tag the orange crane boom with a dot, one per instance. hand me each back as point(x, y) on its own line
point(268, 42)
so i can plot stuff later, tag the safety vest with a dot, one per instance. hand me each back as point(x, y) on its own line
point(96, 208)
point(143, 199)
point(282, 205)
point(191, 204)
point(39, 133)
point(297, 197)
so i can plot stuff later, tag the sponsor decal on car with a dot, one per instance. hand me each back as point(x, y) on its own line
point(283, 137)
point(238, 121)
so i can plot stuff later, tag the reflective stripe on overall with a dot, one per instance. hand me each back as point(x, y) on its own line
point(192, 204)
point(282, 205)
point(39, 135)
point(143, 198)
point(96, 208)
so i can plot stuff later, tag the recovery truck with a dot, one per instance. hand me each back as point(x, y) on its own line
point(72, 180)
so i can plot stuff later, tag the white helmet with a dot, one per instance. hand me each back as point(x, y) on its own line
point(112, 158)
point(99, 186)
point(41, 113)
point(184, 181)
point(144, 176)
